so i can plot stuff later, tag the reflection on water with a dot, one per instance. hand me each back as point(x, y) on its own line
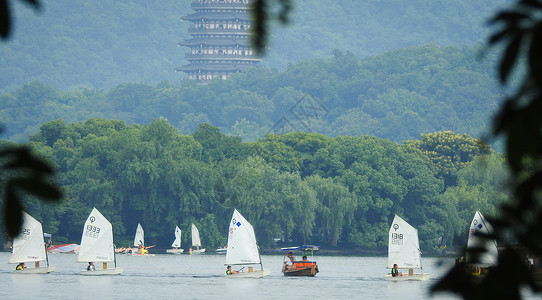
point(203, 277)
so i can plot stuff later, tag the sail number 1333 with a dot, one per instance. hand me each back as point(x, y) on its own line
point(92, 231)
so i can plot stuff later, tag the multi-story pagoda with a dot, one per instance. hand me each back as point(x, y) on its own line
point(220, 39)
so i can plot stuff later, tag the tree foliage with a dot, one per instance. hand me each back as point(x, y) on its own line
point(518, 225)
point(394, 96)
point(76, 43)
point(298, 187)
point(449, 152)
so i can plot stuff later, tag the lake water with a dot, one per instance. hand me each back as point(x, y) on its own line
point(203, 277)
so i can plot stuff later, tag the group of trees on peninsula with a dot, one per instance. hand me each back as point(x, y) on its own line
point(300, 187)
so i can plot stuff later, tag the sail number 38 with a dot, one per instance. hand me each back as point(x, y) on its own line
point(397, 238)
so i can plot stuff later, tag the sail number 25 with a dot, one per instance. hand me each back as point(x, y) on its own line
point(92, 231)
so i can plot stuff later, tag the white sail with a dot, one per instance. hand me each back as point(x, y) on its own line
point(97, 239)
point(403, 245)
point(196, 242)
point(29, 246)
point(242, 246)
point(139, 236)
point(177, 241)
point(479, 225)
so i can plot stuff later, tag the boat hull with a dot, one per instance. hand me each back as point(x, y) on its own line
point(253, 274)
point(221, 251)
point(139, 254)
point(302, 272)
point(197, 251)
point(175, 251)
point(409, 277)
point(113, 271)
point(42, 270)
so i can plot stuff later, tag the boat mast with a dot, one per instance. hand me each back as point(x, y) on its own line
point(46, 255)
point(421, 267)
point(260, 256)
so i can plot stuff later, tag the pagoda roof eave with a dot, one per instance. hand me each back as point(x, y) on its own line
point(215, 42)
point(212, 67)
point(217, 16)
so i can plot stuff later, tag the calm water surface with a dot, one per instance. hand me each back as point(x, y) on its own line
point(202, 277)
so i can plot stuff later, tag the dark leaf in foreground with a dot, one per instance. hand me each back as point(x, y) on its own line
point(5, 20)
point(13, 215)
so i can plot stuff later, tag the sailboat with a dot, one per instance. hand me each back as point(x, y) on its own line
point(29, 246)
point(243, 248)
point(176, 243)
point(479, 225)
point(196, 242)
point(97, 245)
point(404, 250)
point(139, 242)
point(139, 239)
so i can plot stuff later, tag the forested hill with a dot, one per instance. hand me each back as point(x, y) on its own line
point(396, 95)
point(102, 44)
point(304, 188)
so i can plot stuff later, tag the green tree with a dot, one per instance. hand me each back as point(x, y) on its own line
point(263, 195)
point(449, 152)
point(336, 207)
point(216, 145)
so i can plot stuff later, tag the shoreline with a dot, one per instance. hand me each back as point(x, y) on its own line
point(354, 252)
point(321, 252)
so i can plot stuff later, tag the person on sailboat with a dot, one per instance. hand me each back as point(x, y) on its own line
point(395, 272)
point(20, 266)
point(230, 272)
point(91, 266)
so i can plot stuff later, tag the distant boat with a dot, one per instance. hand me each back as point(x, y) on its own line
point(300, 267)
point(139, 242)
point(196, 242)
point(176, 243)
point(479, 225)
point(404, 250)
point(97, 245)
point(29, 246)
point(139, 239)
point(243, 248)
point(64, 249)
point(222, 250)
